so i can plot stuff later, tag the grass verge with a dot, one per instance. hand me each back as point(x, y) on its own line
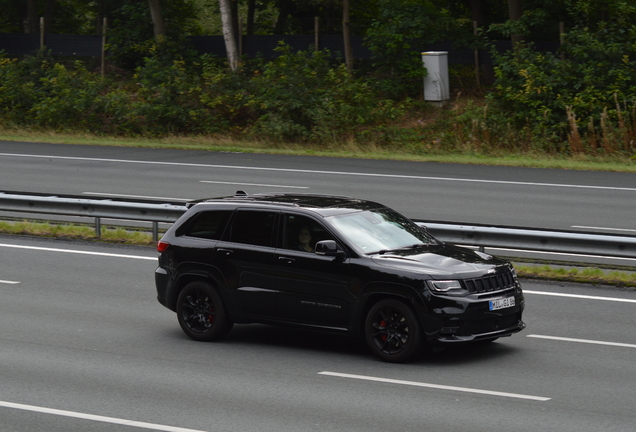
point(109, 234)
point(614, 163)
point(587, 275)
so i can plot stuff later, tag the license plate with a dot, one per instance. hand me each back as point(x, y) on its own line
point(501, 303)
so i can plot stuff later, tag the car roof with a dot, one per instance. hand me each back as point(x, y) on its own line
point(324, 204)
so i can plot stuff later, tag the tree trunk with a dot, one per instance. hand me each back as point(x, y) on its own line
point(157, 19)
point(515, 11)
point(31, 20)
point(229, 34)
point(346, 36)
point(285, 7)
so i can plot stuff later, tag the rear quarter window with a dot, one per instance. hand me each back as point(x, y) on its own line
point(207, 225)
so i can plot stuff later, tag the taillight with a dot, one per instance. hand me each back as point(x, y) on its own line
point(162, 246)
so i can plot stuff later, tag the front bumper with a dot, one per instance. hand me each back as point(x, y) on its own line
point(469, 319)
point(497, 327)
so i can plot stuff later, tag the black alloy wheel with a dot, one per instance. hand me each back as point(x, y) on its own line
point(201, 313)
point(393, 331)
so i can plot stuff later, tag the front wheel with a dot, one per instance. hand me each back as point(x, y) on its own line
point(392, 331)
point(201, 313)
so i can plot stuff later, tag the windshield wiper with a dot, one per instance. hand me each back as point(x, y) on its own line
point(405, 248)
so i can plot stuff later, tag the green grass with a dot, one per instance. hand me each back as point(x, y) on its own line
point(615, 163)
point(79, 232)
point(589, 275)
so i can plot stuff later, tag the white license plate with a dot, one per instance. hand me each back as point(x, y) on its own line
point(501, 303)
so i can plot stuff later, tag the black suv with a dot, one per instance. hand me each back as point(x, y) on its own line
point(332, 263)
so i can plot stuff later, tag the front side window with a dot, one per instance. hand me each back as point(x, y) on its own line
point(253, 228)
point(381, 230)
point(302, 233)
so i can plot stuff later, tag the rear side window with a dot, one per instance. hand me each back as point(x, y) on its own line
point(253, 228)
point(208, 225)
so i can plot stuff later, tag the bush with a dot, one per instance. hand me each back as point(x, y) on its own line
point(396, 37)
point(584, 93)
point(300, 97)
point(38, 92)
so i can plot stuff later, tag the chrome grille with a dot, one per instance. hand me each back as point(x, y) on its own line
point(489, 283)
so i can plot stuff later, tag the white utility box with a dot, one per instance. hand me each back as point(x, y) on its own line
point(436, 87)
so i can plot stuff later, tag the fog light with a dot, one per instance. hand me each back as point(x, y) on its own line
point(449, 330)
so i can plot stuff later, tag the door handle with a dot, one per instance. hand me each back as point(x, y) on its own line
point(287, 260)
point(225, 252)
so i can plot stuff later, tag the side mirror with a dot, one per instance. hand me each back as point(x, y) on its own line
point(328, 248)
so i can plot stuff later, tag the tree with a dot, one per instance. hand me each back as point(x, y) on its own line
point(157, 19)
point(346, 35)
point(229, 34)
point(31, 21)
point(515, 9)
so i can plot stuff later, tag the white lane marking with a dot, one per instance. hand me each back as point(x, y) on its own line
point(254, 184)
point(78, 252)
point(9, 282)
point(436, 386)
point(579, 296)
point(97, 418)
point(603, 228)
point(318, 172)
point(617, 344)
point(135, 196)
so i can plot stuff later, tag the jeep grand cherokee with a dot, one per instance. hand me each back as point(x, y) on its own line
point(331, 263)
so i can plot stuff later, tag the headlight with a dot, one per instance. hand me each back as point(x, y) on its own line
point(448, 287)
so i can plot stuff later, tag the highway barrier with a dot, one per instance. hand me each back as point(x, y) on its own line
point(480, 236)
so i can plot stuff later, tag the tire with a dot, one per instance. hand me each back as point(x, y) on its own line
point(393, 331)
point(201, 313)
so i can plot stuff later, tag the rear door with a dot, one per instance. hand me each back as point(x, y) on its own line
point(246, 257)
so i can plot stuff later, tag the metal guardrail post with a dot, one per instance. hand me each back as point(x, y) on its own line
point(98, 227)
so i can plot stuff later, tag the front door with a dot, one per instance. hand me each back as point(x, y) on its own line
point(313, 289)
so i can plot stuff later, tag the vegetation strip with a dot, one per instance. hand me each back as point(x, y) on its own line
point(527, 159)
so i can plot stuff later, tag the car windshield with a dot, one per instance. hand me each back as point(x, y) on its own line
point(381, 231)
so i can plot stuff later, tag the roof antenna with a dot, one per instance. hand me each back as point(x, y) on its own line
point(241, 193)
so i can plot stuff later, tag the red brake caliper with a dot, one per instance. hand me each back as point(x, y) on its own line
point(383, 325)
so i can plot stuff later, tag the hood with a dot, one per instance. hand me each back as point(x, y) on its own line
point(440, 261)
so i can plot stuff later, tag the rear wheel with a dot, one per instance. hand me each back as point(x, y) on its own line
point(201, 313)
point(392, 331)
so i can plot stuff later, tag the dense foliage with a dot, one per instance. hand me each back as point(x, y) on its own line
point(585, 92)
point(298, 97)
point(579, 98)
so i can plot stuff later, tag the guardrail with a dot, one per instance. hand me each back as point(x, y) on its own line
point(69, 205)
point(534, 239)
point(471, 235)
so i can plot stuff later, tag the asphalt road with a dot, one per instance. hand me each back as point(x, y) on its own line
point(599, 202)
point(84, 345)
